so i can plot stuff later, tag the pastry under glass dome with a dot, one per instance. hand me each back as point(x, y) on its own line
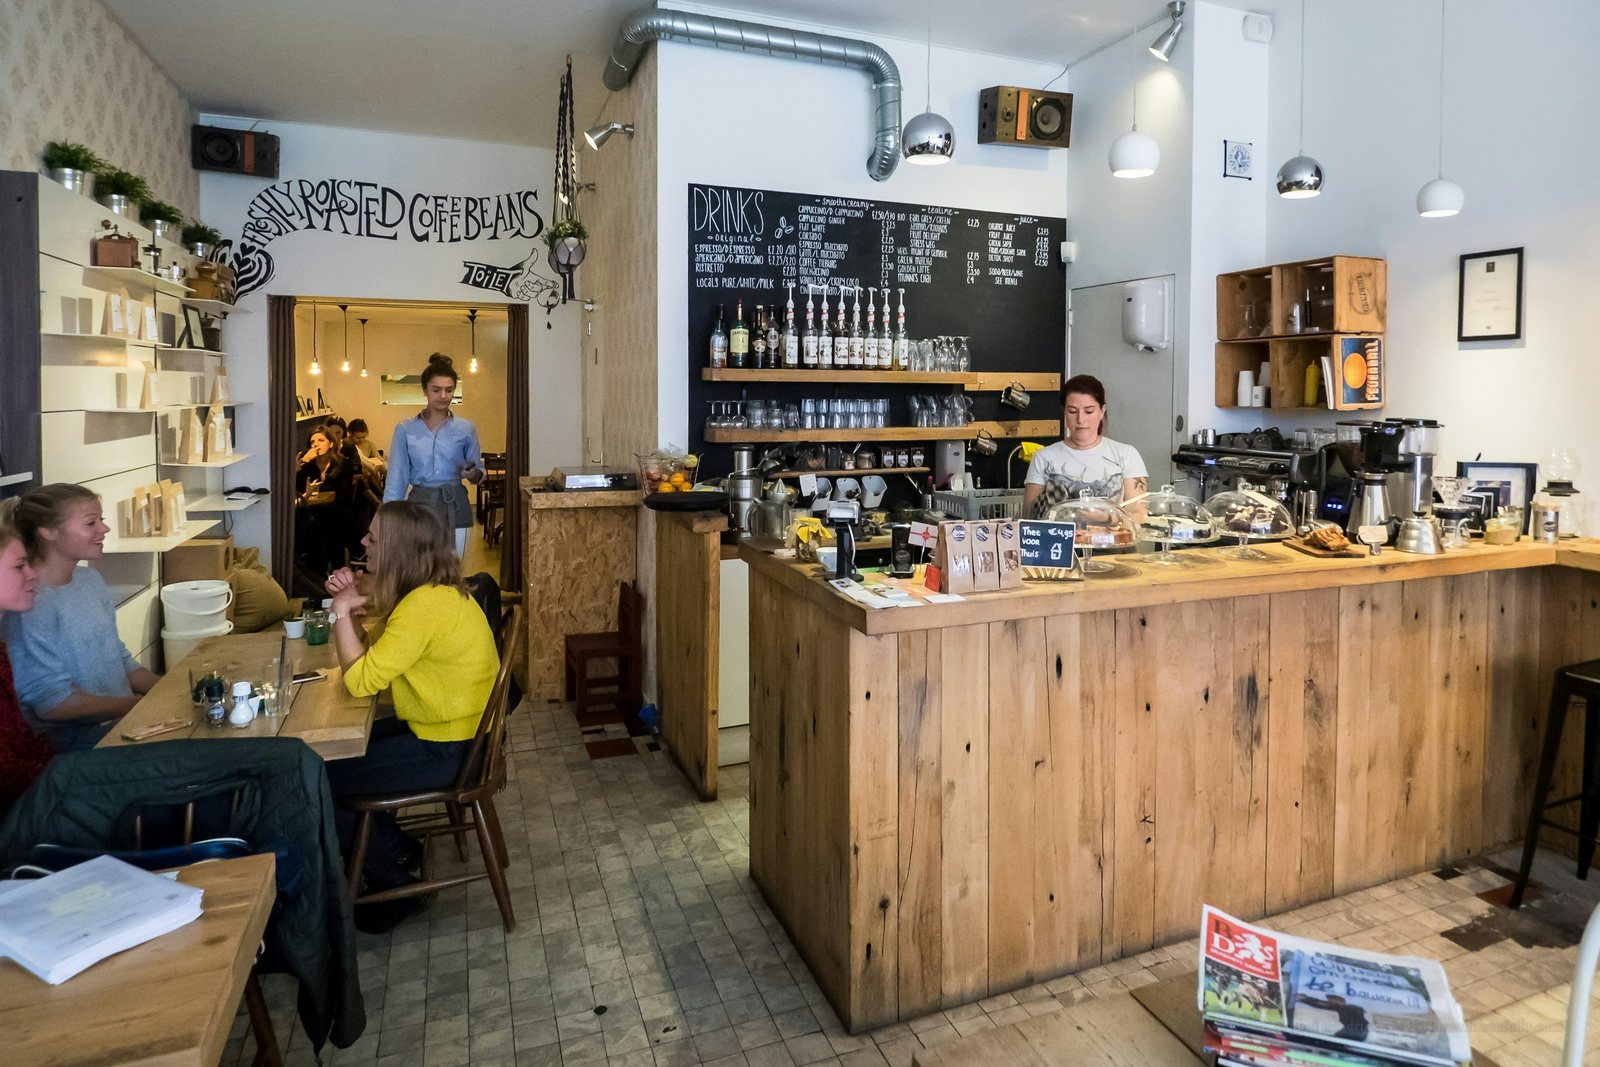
point(1100, 522)
point(1165, 516)
point(1247, 513)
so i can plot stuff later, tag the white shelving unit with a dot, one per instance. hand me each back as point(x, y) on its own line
point(216, 307)
point(119, 546)
point(209, 505)
point(211, 464)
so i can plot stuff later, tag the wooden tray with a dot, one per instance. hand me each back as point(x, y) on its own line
point(1299, 545)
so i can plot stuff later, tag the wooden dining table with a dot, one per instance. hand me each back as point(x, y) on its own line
point(321, 713)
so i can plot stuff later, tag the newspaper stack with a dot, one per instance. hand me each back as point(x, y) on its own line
point(1272, 1000)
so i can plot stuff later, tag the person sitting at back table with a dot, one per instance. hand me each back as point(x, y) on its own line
point(436, 654)
point(73, 674)
point(359, 438)
point(326, 522)
point(23, 753)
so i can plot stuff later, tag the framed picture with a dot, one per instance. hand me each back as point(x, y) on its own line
point(1512, 483)
point(1236, 159)
point(192, 334)
point(1490, 302)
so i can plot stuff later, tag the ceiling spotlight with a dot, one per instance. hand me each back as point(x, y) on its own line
point(1163, 46)
point(599, 135)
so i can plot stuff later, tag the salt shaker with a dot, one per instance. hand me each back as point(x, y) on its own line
point(243, 711)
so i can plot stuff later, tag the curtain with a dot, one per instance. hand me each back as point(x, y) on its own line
point(280, 433)
point(517, 431)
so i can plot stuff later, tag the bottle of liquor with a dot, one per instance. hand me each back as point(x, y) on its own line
point(719, 342)
point(774, 338)
point(739, 339)
point(886, 338)
point(869, 348)
point(791, 336)
point(841, 336)
point(902, 340)
point(758, 339)
point(808, 340)
point(858, 340)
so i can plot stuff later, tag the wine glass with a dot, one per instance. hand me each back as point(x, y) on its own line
point(963, 354)
point(1252, 325)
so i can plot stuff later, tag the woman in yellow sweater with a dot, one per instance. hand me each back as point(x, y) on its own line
point(436, 656)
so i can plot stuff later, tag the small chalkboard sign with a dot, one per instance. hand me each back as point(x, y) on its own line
point(1047, 548)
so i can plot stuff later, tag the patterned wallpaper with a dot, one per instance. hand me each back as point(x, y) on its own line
point(70, 72)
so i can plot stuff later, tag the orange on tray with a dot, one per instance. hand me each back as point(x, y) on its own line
point(1355, 371)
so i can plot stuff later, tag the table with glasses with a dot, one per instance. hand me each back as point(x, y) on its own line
point(321, 713)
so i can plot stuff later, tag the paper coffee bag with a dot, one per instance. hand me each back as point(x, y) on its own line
point(985, 557)
point(1009, 539)
point(954, 557)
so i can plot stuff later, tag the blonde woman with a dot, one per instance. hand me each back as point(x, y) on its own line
point(74, 676)
point(436, 655)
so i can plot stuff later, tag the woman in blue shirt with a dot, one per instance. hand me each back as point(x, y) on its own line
point(430, 454)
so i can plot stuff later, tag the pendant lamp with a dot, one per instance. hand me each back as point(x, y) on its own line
point(1441, 197)
point(363, 348)
point(316, 368)
point(1134, 154)
point(928, 138)
point(472, 325)
point(1301, 176)
point(344, 366)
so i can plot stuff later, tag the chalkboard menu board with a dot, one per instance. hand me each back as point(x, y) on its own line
point(994, 278)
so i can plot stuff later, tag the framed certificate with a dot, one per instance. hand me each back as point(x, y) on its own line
point(1491, 296)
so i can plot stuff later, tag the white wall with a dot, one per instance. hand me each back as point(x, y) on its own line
point(314, 263)
point(1522, 95)
point(781, 124)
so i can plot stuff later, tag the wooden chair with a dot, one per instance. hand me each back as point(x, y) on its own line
point(483, 774)
point(621, 691)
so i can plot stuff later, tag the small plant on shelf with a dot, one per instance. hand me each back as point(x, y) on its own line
point(121, 183)
point(198, 233)
point(156, 211)
point(69, 155)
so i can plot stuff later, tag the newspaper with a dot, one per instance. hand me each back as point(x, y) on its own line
point(1398, 1007)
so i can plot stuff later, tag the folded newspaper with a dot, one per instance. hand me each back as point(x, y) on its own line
point(1310, 1002)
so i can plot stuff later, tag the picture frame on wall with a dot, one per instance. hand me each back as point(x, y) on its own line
point(1512, 483)
point(192, 334)
point(1489, 305)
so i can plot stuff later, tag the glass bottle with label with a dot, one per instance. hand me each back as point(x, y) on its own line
point(858, 340)
point(790, 339)
point(738, 339)
point(758, 339)
point(808, 339)
point(719, 341)
point(869, 347)
point(902, 340)
point(841, 335)
point(774, 338)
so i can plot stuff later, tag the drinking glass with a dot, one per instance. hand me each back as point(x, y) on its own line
point(963, 355)
point(1252, 324)
point(757, 413)
point(791, 416)
point(880, 417)
point(737, 421)
point(808, 414)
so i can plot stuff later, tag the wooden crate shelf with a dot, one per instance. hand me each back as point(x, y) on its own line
point(1028, 428)
point(1288, 358)
point(975, 381)
point(1355, 300)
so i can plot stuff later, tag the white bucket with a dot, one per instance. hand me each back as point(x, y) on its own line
point(176, 644)
point(193, 607)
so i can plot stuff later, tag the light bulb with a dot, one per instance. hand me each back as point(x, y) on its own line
point(345, 366)
point(363, 372)
point(473, 366)
point(316, 368)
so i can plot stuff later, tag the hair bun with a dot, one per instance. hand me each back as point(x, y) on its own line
point(440, 361)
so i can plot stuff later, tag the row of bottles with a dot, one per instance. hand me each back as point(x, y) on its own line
point(771, 344)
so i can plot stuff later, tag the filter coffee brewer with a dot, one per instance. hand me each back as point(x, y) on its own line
point(1383, 469)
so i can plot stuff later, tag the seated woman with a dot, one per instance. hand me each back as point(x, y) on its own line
point(436, 655)
point(324, 488)
point(73, 675)
point(23, 753)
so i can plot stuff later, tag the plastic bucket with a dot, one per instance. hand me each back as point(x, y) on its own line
point(195, 607)
point(176, 644)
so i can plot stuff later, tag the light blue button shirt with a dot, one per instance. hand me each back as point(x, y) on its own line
point(420, 456)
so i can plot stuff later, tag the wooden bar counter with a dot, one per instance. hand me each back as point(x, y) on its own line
point(950, 801)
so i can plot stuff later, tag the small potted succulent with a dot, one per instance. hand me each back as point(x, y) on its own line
point(121, 191)
point(200, 239)
point(72, 165)
point(566, 238)
point(163, 219)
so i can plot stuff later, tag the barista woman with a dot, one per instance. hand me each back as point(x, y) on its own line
point(430, 454)
point(1084, 458)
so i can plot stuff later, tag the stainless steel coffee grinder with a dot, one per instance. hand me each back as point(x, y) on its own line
point(744, 490)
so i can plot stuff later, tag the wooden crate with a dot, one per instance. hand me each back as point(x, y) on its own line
point(1233, 357)
point(1235, 292)
point(1355, 300)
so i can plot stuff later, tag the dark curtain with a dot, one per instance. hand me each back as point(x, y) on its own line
point(280, 426)
point(517, 430)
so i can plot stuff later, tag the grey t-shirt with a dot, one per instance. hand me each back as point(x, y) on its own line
point(68, 643)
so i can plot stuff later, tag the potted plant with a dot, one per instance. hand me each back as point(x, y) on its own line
point(72, 164)
point(566, 238)
point(201, 239)
point(163, 219)
point(121, 191)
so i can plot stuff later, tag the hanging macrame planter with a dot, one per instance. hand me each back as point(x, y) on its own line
point(566, 235)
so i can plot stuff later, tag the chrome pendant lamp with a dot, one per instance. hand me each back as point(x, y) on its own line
point(928, 139)
point(1441, 197)
point(1301, 176)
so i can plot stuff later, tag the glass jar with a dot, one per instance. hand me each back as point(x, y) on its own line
point(317, 627)
point(1504, 528)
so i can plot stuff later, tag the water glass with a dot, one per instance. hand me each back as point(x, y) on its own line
point(791, 416)
point(757, 412)
point(963, 354)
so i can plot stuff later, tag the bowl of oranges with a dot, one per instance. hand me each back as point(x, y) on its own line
point(668, 479)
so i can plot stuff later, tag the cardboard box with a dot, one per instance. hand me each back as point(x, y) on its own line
point(985, 557)
point(954, 557)
point(198, 560)
point(1010, 541)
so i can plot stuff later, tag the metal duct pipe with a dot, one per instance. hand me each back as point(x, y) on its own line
point(658, 24)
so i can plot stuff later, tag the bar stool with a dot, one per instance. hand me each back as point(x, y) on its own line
point(1571, 681)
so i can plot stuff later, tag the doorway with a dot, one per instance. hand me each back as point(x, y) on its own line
point(344, 373)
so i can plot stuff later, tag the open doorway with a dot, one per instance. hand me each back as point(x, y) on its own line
point(345, 373)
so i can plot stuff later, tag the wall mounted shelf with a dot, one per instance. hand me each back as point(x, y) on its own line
point(215, 307)
point(976, 381)
point(214, 464)
point(220, 503)
point(190, 530)
point(998, 430)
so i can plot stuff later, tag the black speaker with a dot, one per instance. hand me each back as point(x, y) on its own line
point(1028, 118)
point(233, 151)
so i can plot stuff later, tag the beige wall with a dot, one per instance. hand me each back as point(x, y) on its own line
point(402, 348)
point(70, 72)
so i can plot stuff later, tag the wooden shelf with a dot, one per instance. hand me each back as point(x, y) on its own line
point(16, 479)
point(215, 307)
point(998, 430)
point(140, 277)
point(852, 473)
point(1356, 297)
point(220, 502)
point(977, 381)
point(1287, 359)
point(215, 464)
point(190, 530)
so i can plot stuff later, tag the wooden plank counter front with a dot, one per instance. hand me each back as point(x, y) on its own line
point(951, 801)
point(688, 627)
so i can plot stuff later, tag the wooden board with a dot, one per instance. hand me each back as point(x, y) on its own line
point(1300, 544)
point(1114, 1031)
point(688, 621)
point(168, 1001)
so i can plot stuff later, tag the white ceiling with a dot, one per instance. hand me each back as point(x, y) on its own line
point(488, 69)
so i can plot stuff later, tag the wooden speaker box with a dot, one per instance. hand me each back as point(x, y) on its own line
point(1027, 118)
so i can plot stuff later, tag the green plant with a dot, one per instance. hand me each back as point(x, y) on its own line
point(156, 211)
point(565, 228)
point(121, 183)
point(69, 155)
point(198, 233)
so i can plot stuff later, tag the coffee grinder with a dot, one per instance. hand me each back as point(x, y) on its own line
point(1411, 483)
point(744, 490)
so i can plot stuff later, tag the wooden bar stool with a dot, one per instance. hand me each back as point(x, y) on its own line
point(621, 691)
point(1572, 681)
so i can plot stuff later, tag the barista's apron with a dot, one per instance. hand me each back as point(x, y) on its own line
point(448, 503)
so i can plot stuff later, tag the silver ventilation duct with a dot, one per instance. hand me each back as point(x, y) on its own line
point(658, 24)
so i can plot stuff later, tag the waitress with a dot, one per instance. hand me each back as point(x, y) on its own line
point(430, 454)
point(1084, 458)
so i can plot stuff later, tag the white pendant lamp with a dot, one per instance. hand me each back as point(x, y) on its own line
point(1134, 154)
point(1301, 177)
point(928, 138)
point(1441, 197)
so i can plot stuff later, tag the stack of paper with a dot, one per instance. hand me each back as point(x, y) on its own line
point(57, 926)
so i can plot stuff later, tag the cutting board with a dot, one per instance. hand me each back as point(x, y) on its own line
point(1299, 545)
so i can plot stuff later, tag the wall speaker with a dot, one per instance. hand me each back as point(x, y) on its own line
point(1028, 118)
point(233, 151)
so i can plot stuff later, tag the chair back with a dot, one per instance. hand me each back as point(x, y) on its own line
point(630, 614)
point(484, 766)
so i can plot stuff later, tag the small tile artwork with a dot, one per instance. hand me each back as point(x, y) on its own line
point(642, 942)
